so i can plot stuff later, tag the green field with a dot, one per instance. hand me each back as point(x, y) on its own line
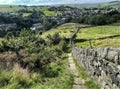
point(100, 31)
point(26, 14)
point(65, 30)
point(51, 13)
point(7, 8)
point(13, 8)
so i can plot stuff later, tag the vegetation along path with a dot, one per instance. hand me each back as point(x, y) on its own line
point(78, 83)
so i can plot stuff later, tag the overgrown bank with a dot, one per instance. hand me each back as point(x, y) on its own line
point(29, 61)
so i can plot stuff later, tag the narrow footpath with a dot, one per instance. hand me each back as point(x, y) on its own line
point(78, 83)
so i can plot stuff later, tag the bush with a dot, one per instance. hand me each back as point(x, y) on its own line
point(21, 76)
point(23, 81)
point(63, 46)
point(53, 39)
point(39, 60)
point(91, 85)
point(4, 78)
point(18, 78)
point(52, 70)
point(14, 85)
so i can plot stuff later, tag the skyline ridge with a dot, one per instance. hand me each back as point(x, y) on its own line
point(51, 2)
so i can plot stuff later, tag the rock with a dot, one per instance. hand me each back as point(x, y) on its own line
point(107, 87)
point(104, 53)
point(102, 64)
point(78, 81)
point(112, 56)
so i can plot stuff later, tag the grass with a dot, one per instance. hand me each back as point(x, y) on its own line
point(112, 4)
point(26, 14)
point(115, 24)
point(63, 81)
point(100, 31)
point(89, 83)
point(51, 13)
point(22, 78)
point(1, 39)
point(110, 42)
point(13, 8)
point(10, 8)
point(65, 30)
point(81, 71)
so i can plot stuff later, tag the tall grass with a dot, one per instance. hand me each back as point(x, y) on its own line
point(88, 81)
point(55, 76)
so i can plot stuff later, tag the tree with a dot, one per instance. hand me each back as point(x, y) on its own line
point(12, 43)
point(47, 25)
point(53, 39)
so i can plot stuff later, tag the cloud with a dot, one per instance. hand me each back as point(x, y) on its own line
point(44, 2)
point(7, 2)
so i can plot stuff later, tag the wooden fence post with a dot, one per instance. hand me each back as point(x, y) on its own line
point(90, 44)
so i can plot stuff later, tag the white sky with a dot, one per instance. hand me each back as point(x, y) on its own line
point(39, 2)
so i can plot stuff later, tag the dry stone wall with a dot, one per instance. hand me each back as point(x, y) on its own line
point(102, 64)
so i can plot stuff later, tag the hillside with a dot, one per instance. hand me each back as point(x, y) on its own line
point(86, 5)
point(40, 61)
point(68, 29)
point(98, 32)
point(13, 8)
point(114, 4)
point(73, 46)
point(65, 30)
point(36, 63)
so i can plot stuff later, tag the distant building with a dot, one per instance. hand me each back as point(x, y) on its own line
point(37, 26)
point(8, 27)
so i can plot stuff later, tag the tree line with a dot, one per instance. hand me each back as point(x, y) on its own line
point(101, 19)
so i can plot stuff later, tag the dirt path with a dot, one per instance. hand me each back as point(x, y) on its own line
point(78, 83)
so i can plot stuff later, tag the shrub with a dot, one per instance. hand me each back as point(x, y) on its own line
point(4, 78)
point(52, 70)
point(21, 76)
point(91, 85)
point(63, 46)
point(53, 39)
point(37, 78)
point(14, 85)
point(40, 59)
